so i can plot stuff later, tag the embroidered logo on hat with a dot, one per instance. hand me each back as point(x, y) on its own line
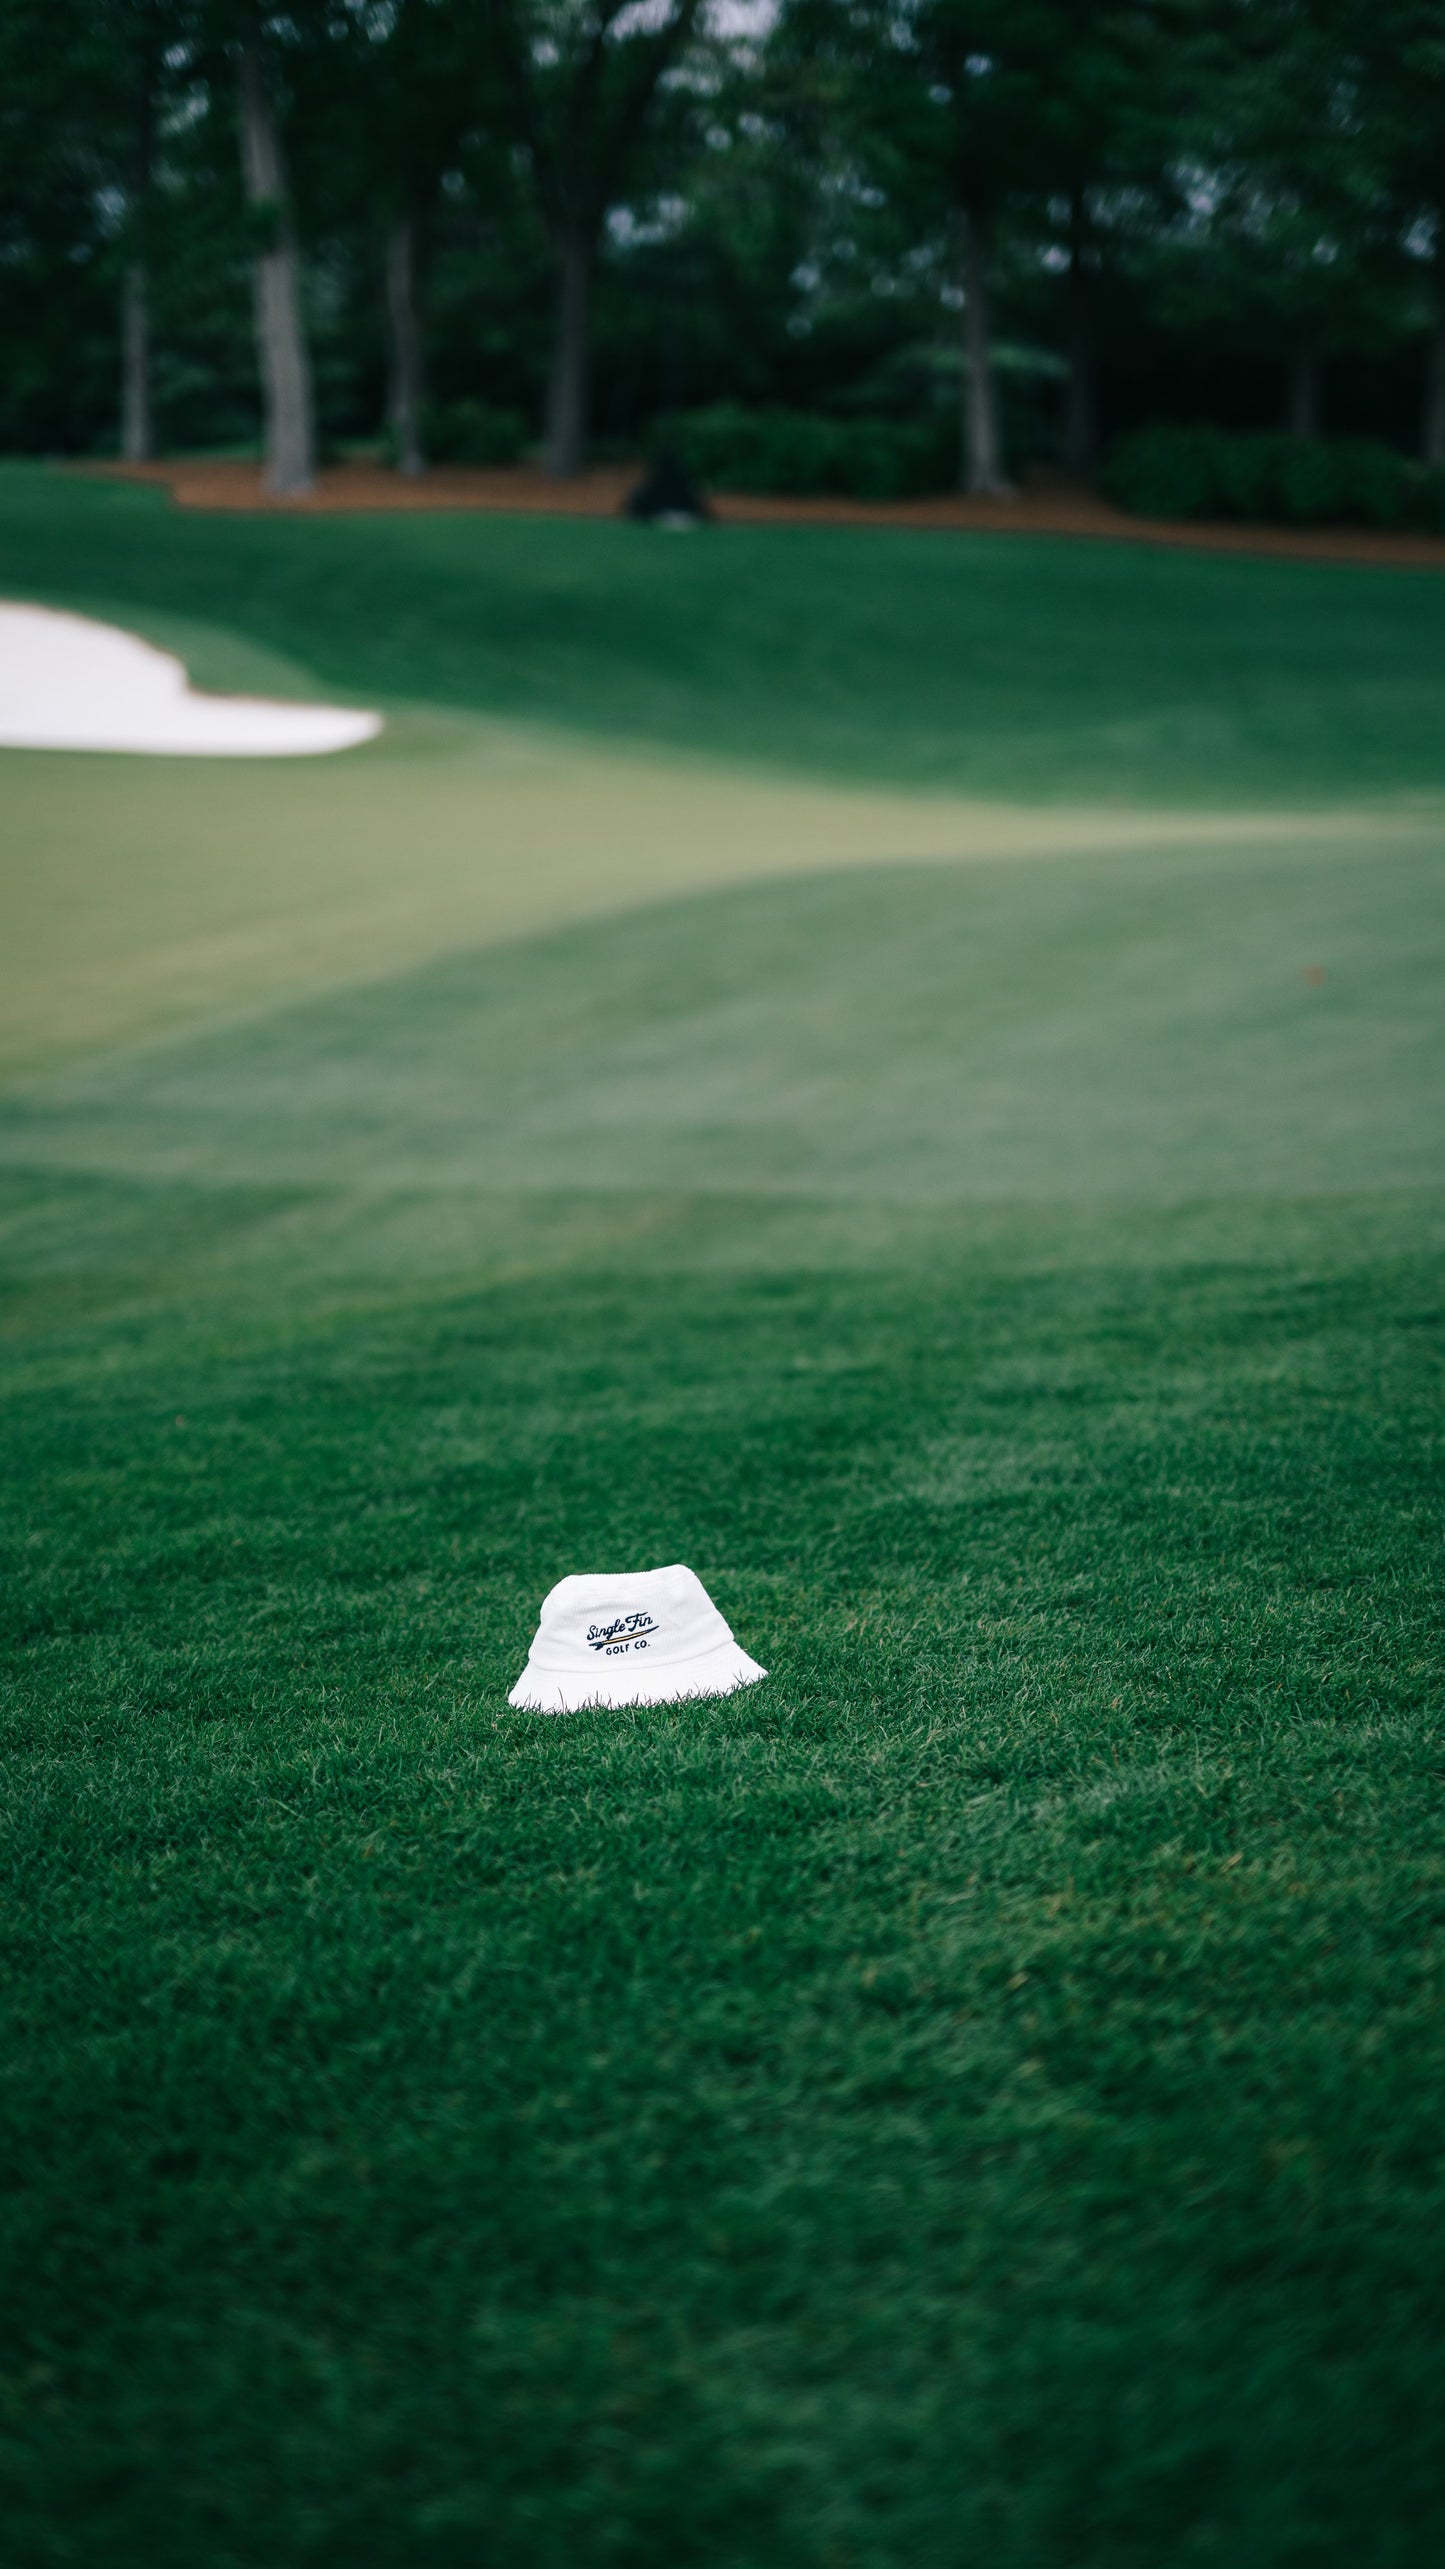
point(629, 1632)
point(651, 1637)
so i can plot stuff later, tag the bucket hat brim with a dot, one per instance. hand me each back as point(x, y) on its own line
point(715, 1672)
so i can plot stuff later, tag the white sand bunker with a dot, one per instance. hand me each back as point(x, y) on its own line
point(69, 683)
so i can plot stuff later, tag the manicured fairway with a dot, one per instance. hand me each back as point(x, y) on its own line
point(975, 2097)
point(147, 896)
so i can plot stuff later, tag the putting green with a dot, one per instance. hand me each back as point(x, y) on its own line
point(140, 895)
point(1158, 1025)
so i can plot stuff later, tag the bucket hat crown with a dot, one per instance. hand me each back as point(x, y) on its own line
point(643, 1637)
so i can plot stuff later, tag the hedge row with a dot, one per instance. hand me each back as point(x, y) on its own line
point(1163, 471)
point(729, 448)
point(467, 432)
point(1326, 481)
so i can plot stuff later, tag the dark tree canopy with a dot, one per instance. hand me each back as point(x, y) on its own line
point(1003, 231)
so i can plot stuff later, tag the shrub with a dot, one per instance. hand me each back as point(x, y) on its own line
point(1163, 472)
point(1428, 500)
point(1379, 485)
point(887, 459)
point(473, 432)
point(798, 453)
point(1245, 474)
point(1209, 472)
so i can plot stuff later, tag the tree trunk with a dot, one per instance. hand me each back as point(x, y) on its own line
point(137, 443)
point(404, 398)
point(567, 392)
point(982, 443)
point(1432, 425)
point(1079, 441)
point(1302, 415)
point(280, 342)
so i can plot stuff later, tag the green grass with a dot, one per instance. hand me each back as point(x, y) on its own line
point(1137, 1026)
point(999, 665)
point(975, 2096)
point(971, 2098)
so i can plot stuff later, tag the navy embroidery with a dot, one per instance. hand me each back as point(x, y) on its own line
point(628, 1631)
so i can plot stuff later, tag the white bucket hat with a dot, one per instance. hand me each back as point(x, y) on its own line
point(649, 1638)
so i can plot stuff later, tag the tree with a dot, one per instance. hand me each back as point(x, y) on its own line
point(402, 86)
point(93, 82)
point(582, 80)
point(1295, 231)
point(1045, 107)
point(943, 98)
point(825, 215)
point(248, 48)
point(1396, 50)
point(1108, 95)
point(124, 45)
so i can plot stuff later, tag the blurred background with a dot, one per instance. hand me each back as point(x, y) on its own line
point(869, 246)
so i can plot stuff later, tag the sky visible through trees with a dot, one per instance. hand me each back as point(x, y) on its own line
point(1012, 229)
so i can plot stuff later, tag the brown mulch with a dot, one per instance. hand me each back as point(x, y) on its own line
point(1052, 507)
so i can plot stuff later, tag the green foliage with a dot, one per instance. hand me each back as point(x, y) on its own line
point(1429, 507)
point(774, 212)
point(1343, 479)
point(473, 432)
point(1204, 472)
point(735, 449)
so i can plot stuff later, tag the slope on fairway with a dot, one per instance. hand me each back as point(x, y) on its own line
point(1159, 1025)
point(142, 895)
point(999, 666)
